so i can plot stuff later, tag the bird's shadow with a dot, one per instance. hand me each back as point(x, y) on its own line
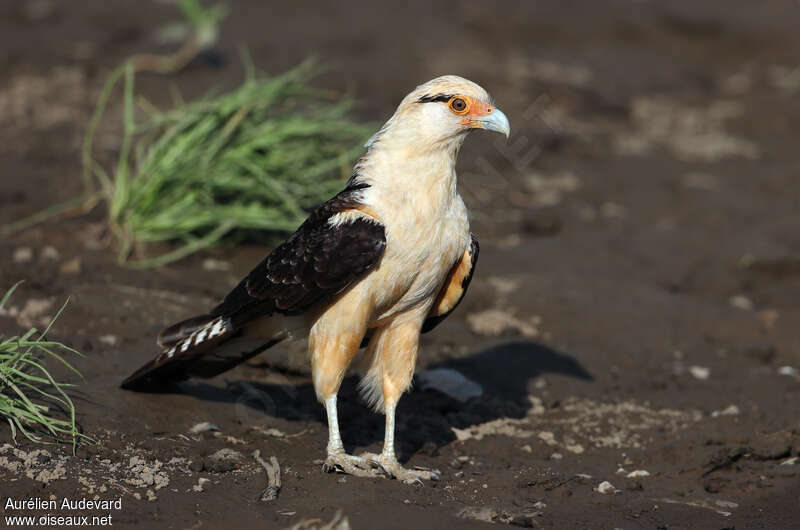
point(425, 418)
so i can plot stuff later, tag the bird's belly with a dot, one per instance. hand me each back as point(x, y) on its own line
point(414, 269)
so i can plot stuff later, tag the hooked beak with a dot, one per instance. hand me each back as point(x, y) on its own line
point(494, 121)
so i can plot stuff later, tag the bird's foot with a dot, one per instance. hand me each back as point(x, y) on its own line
point(392, 467)
point(352, 465)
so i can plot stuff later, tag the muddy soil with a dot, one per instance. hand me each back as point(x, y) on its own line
point(632, 323)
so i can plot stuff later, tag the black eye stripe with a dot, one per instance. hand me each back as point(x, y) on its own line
point(435, 98)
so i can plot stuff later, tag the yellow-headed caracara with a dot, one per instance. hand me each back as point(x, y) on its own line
point(381, 262)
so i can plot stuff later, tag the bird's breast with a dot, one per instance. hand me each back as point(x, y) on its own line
point(422, 245)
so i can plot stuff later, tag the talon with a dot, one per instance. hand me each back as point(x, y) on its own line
point(349, 464)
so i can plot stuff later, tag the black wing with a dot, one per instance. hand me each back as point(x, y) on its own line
point(317, 262)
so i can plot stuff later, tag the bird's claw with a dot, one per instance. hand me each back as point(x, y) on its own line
point(393, 469)
point(352, 465)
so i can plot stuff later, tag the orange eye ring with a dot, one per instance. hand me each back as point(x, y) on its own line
point(458, 105)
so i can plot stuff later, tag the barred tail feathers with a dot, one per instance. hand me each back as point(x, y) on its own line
point(176, 360)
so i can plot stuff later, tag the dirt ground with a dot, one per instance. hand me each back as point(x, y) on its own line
point(632, 323)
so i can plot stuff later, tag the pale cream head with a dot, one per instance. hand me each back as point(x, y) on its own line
point(440, 113)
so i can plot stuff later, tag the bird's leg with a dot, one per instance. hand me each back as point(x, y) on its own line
point(334, 341)
point(388, 460)
point(337, 459)
point(397, 348)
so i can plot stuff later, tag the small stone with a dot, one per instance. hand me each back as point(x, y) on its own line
point(23, 255)
point(771, 446)
point(108, 340)
point(450, 383)
point(787, 370)
point(730, 410)
point(223, 460)
point(203, 426)
point(527, 448)
point(700, 372)
point(638, 473)
point(741, 302)
point(575, 448)
point(556, 456)
point(548, 437)
point(50, 253)
point(605, 488)
point(201, 482)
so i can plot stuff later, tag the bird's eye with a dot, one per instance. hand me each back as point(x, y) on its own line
point(458, 105)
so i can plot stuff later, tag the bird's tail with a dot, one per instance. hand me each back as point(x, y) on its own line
point(202, 346)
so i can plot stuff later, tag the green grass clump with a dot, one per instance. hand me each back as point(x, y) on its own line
point(28, 393)
point(251, 161)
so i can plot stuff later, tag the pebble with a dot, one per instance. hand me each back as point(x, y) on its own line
point(771, 446)
point(108, 340)
point(605, 488)
point(50, 253)
point(788, 370)
point(223, 460)
point(730, 410)
point(202, 481)
point(203, 427)
point(548, 437)
point(638, 473)
point(450, 382)
point(23, 255)
point(700, 372)
point(741, 302)
point(575, 448)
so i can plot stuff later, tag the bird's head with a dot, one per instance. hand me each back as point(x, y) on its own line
point(441, 112)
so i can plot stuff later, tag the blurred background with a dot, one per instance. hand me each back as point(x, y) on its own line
point(640, 250)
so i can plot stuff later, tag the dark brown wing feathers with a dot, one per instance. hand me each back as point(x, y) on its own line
point(317, 262)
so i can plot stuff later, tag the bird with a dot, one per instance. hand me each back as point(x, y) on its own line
point(384, 260)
